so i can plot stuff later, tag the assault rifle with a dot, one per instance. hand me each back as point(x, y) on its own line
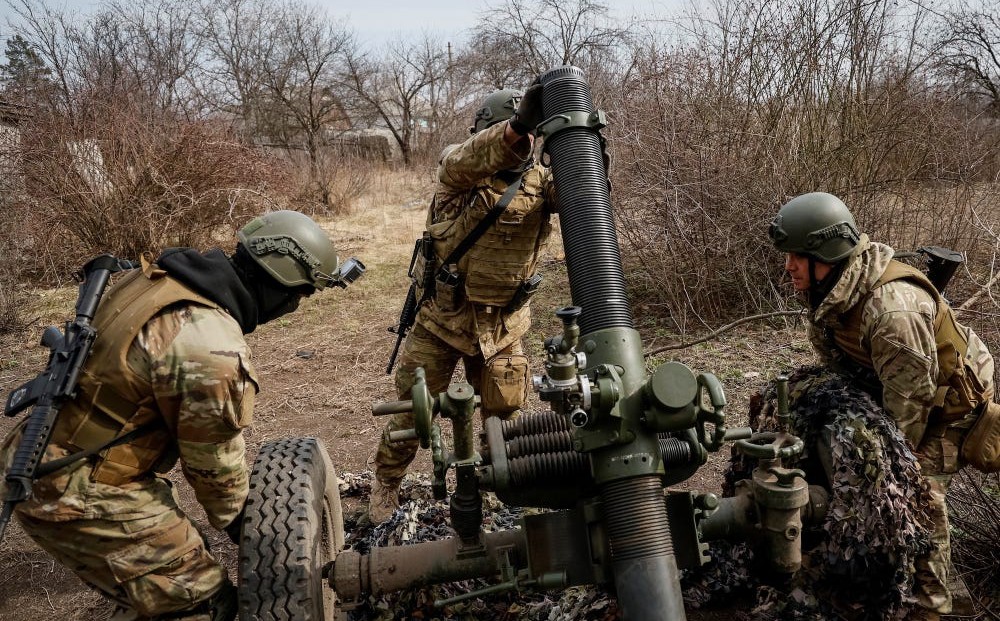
point(68, 351)
point(421, 273)
point(940, 264)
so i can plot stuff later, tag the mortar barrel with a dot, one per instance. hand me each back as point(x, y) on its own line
point(593, 261)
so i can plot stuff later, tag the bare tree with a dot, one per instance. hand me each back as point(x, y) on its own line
point(144, 53)
point(407, 90)
point(301, 102)
point(520, 39)
point(48, 33)
point(237, 48)
point(970, 51)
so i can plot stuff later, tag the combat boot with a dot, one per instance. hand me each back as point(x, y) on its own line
point(384, 500)
point(962, 604)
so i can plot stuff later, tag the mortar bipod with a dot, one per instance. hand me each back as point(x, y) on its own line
point(458, 404)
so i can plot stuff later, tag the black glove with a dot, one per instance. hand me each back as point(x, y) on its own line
point(233, 528)
point(529, 111)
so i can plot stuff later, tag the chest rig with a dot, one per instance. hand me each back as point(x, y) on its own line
point(112, 399)
point(959, 390)
point(494, 265)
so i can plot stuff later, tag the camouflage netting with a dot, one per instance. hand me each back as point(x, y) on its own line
point(856, 565)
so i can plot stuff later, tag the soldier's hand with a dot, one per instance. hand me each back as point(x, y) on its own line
point(529, 111)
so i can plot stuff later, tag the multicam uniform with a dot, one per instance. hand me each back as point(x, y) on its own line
point(474, 323)
point(171, 358)
point(884, 321)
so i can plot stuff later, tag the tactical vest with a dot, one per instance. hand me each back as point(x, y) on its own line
point(112, 399)
point(959, 389)
point(507, 253)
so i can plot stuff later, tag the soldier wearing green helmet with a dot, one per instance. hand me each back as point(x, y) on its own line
point(498, 106)
point(883, 324)
point(479, 308)
point(170, 363)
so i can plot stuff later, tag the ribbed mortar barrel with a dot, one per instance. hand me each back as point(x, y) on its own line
point(646, 576)
point(596, 279)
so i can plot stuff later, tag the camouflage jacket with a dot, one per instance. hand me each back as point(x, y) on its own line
point(897, 332)
point(199, 378)
point(471, 182)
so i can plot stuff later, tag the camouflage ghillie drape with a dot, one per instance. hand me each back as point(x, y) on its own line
point(857, 564)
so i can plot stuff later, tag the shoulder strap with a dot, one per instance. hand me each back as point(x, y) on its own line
point(897, 270)
point(51, 466)
point(487, 221)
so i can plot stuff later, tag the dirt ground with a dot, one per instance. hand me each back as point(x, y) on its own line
point(323, 368)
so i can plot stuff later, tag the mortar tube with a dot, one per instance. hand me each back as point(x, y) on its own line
point(645, 570)
point(593, 262)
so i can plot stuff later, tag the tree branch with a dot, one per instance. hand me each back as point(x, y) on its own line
point(723, 329)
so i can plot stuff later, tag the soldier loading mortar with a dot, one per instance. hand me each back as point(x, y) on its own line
point(601, 459)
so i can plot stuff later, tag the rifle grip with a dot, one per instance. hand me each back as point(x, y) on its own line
point(53, 338)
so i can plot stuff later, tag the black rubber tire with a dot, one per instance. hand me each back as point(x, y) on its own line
point(293, 526)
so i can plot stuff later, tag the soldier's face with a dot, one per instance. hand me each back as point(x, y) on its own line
point(797, 266)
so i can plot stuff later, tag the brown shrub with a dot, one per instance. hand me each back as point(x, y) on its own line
point(330, 188)
point(125, 183)
point(712, 136)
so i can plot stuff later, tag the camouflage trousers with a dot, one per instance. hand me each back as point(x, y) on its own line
point(938, 457)
point(132, 543)
point(439, 360)
point(154, 567)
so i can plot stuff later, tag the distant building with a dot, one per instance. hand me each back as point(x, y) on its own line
point(11, 116)
point(372, 144)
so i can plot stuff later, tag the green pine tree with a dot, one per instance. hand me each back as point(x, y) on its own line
point(24, 77)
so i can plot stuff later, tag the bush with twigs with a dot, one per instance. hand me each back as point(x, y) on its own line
point(764, 101)
point(974, 504)
point(126, 182)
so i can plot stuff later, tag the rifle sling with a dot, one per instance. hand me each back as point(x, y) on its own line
point(492, 216)
point(51, 466)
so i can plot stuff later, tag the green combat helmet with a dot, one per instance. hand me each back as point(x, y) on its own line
point(818, 225)
point(292, 248)
point(498, 106)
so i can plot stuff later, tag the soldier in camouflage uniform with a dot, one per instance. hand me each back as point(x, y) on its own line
point(170, 357)
point(884, 324)
point(474, 320)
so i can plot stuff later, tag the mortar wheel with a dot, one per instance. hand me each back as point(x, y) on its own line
point(293, 526)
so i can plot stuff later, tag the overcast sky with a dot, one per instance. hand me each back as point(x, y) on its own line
point(376, 21)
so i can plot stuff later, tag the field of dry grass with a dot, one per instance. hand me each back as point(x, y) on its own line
point(323, 367)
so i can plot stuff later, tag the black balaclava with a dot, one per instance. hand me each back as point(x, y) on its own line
point(819, 289)
point(213, 276)
point(273, 298)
